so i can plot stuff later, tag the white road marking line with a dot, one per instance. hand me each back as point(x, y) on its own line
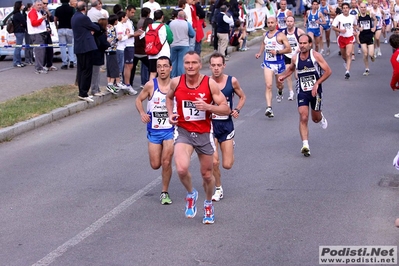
point(49, 258)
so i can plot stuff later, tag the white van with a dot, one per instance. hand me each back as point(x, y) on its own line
point(7, 39)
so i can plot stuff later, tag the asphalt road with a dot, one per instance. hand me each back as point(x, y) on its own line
point(80, 191)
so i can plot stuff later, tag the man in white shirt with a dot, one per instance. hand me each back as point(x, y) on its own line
point(129, 49)
point(153, 6)
point(95, 11)
point(345, 24)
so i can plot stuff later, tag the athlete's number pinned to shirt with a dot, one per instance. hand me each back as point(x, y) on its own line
point(191, 113)
point(308, 82)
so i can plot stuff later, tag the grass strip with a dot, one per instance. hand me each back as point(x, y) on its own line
point(36, 103)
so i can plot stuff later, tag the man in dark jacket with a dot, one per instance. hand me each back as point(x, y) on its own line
point(84, 46)
point(224, 22)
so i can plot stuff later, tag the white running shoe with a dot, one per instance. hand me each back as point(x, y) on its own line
point(396, 115)
point(385, 41)
point(322, 52)
point(291, 98)
point(366, 72)
point(279, 97)
point(323, 122)
point(218, 195)
point(359, 51)
point(328, 52)
point(379, 52)
point(130, 90)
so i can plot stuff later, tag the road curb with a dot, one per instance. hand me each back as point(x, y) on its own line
point(8, 133)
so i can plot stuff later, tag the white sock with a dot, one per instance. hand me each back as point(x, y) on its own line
point(305, 143)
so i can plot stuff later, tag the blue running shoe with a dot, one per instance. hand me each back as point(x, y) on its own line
point(209, 214)
point(191, 200)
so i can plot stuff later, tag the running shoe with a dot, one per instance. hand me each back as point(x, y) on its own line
point(305, 151)
point(328, 52)
point(111, 88)
point(339, 53)
point(353, 57)
point(165, 199)
point(42, 71)
point(366, 72)
point(191, 200)
point(269, 112)
point(130, 90)
point(379, 52)
point(218, 195)
point(396, 115)
point(385, 41)
point(322, 51)
point(323, 122)
point(359, 51)
point(347, 75)
point(209, 214)
point(279, 96)
point(372, 58)
point(345, 65)
point(291, 98)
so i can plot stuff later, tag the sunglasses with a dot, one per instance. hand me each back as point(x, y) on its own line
point(45, 3)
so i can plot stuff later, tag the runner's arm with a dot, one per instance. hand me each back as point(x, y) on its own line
point(287, 47)
point(324, 66)
point(144, 94)
point(241, 98)
point(170, 101)
point(261, 49)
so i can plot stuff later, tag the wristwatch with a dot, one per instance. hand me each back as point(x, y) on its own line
point(277, 51)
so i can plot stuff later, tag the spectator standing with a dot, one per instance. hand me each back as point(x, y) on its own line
point(129, 49)
point(121, 35)
point(95, 11)
point(19, 23)
point(139, 51)
point(182, 31)
point(113, 77)
point(103, 10)
point(73, 3)
point(28, 50)
point(48, 61)
point(116, 9)
point(85, 44)
point(98, 55)
point(153, 6)
point(36, 24)
point(200, 26)
point(165, 36)
point(213, 20)
point(62, 20)
point(224, 22)
point(194, 22)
